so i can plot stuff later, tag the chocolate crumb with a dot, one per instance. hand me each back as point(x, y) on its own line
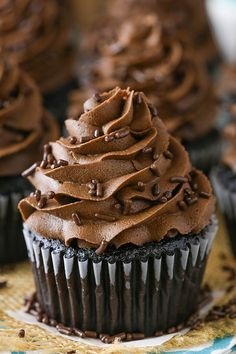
point(21, 333)
point(3, 284)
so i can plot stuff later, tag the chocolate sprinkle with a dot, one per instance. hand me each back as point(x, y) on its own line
point(72, 140)
point(101, 249)
point(153, 110)
point(147, 150)
point(205, 195)
point(155, 189)
point(178, 179)
point(97, 133)
point(42, 202)
point(155, 170)
point(99, 191)
point(30, 170)
point(76, 219)
point(140, 186)
point(91, 334)
point(62, 163)
point(105, 217)
point(51, 194)
point(84, 139)
point(37, 195)
point(168, 155)
point(109, 138)
point(182, 205)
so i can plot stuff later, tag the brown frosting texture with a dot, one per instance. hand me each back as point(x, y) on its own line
point(36, 33)
point(24, 125)
point(229, 156)
point(118, 178)
point(140, 55)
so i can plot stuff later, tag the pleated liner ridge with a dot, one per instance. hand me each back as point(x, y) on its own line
point(139, 295)
point(12, 245)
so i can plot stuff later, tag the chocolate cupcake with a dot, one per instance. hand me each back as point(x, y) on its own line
point(174, 16)
point(24, 128)
point(224, 181)
point(168, 73)
point(37, 35)
point(123, 226)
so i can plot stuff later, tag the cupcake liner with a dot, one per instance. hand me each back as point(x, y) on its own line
point(132, 292)
point(12, 245)
point(206, 151)
point(57, 101)
point(227, 202)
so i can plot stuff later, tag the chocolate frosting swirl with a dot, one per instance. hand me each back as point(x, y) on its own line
point(36, 33)
point(24, 125)
point(164, 69)
point(229, 156)
point(118, 178)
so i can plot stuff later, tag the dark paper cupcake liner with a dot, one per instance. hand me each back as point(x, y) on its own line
point(12, 245)
point(57, 101)
point(226, 197)
point(206, 151)
point(134, 290)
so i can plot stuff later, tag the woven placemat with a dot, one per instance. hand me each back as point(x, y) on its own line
point(20, 282)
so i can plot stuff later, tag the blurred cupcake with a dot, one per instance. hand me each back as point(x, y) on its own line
point(24, 128)
point(123, 228)
point(174, 16)
point(36, 34)
point(167, 71)
point(224, 182)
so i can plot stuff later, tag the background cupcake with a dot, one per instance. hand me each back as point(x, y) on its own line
point(37, 34)
point(169, 74)
point(24, 128)
point(123, 225)
point(174, 16)
point(224, 182)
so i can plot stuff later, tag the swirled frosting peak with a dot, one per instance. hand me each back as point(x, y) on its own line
point(229, 156)
point(24, 125)
point(140, 55)
point(118, 178)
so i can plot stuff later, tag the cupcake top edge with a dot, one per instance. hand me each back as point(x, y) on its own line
point(118, 178)
point(24, 125)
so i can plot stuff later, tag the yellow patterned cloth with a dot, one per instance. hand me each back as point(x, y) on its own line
point(20, 282)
